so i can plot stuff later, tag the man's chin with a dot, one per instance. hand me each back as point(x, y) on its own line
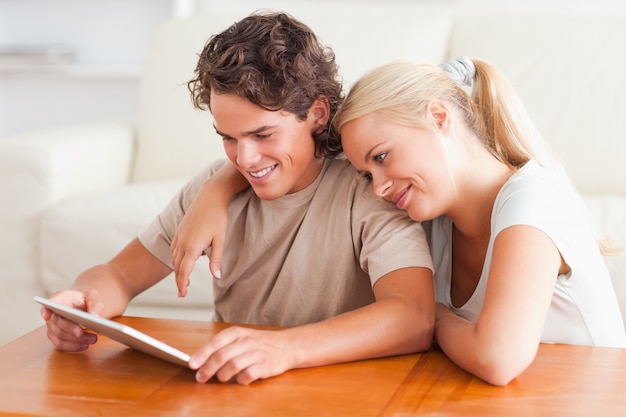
point(265, 194)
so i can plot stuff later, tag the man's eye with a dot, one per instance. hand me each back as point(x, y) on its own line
point(367, 175)
point(263, 136)
point(380, 157)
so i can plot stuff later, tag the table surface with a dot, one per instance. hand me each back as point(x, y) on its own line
point(113, 380)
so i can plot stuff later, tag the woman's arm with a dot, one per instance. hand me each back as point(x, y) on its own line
point(204, 225)
point(504, 341)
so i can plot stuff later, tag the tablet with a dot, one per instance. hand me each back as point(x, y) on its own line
point(120, 332)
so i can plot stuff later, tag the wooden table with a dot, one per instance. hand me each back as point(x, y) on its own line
point(112, 380)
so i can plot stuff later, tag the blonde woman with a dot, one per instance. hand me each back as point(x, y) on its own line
point(516, 261)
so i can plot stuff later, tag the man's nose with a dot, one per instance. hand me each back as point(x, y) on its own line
point(247, 153)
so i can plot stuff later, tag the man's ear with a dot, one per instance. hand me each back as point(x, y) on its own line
point(320, 111)
point(440, 114)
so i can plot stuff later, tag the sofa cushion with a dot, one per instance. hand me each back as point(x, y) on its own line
point(105, 222)
point(609, 214)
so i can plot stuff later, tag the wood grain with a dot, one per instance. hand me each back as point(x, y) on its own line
point(110, 379)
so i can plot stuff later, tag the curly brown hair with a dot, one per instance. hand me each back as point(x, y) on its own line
point(275, 62)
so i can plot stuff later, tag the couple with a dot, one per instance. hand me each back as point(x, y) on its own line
point(309, 247)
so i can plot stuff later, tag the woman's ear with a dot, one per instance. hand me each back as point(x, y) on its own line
point(440, 114)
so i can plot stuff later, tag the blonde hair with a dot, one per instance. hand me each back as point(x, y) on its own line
point(489, 106)
point(402, 90)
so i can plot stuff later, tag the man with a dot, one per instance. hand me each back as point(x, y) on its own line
point(307, 246)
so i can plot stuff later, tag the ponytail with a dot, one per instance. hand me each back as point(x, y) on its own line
point(497, 114)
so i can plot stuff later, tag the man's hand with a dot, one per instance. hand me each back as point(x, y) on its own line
point(66, 335)
point(244, 355)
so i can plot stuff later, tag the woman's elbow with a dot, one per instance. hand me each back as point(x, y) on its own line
point(501, 369)
point(498, 376)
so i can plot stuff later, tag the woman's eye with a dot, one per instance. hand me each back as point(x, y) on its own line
point(367, 175)
point(380, 157)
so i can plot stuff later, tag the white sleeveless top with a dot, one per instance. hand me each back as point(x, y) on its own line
point(584, 309)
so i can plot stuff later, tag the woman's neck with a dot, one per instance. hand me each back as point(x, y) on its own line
point(479, 186)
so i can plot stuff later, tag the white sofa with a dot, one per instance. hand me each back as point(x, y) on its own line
point(73, 197)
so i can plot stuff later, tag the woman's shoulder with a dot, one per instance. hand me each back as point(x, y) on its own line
point(541, 197)
point(538, 184)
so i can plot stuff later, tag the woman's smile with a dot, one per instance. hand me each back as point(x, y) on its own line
point(401, 198)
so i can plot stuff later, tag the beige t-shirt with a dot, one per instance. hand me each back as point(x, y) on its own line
point(304, 257)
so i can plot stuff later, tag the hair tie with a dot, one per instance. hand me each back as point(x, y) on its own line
point(461, 70)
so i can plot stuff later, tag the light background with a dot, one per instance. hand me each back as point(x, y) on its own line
point(109, 40)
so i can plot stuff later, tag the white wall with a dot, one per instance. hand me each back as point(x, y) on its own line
point(110, 37)
point(585, 7)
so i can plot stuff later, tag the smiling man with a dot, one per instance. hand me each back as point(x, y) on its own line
point(307, 245)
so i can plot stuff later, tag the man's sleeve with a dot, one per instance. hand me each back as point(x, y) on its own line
point(389, 238)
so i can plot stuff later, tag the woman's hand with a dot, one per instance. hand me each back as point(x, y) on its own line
point(203, 226)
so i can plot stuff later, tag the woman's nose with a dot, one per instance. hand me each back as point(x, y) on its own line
point(380, 185)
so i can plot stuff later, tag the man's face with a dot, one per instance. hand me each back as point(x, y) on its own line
point(273, 150)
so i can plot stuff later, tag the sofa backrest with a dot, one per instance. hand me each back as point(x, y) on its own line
point(175, 141)
point(173, 138)
point(569, 71)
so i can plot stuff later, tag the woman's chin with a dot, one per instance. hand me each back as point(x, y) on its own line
point(418, 215)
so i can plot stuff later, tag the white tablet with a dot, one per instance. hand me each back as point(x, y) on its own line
point(119, 332)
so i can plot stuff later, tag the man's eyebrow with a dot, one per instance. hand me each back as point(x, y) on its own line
point(217, 131)
point(248, 133)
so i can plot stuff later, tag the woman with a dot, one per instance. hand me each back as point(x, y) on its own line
point(515, 257)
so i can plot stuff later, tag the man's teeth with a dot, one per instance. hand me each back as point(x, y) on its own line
point(262, 172)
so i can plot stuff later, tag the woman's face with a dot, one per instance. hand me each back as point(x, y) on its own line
point(407, 165)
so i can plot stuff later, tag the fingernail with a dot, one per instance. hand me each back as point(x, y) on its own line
point(218, 274)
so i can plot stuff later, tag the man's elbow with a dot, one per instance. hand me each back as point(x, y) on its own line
point(424, 335)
